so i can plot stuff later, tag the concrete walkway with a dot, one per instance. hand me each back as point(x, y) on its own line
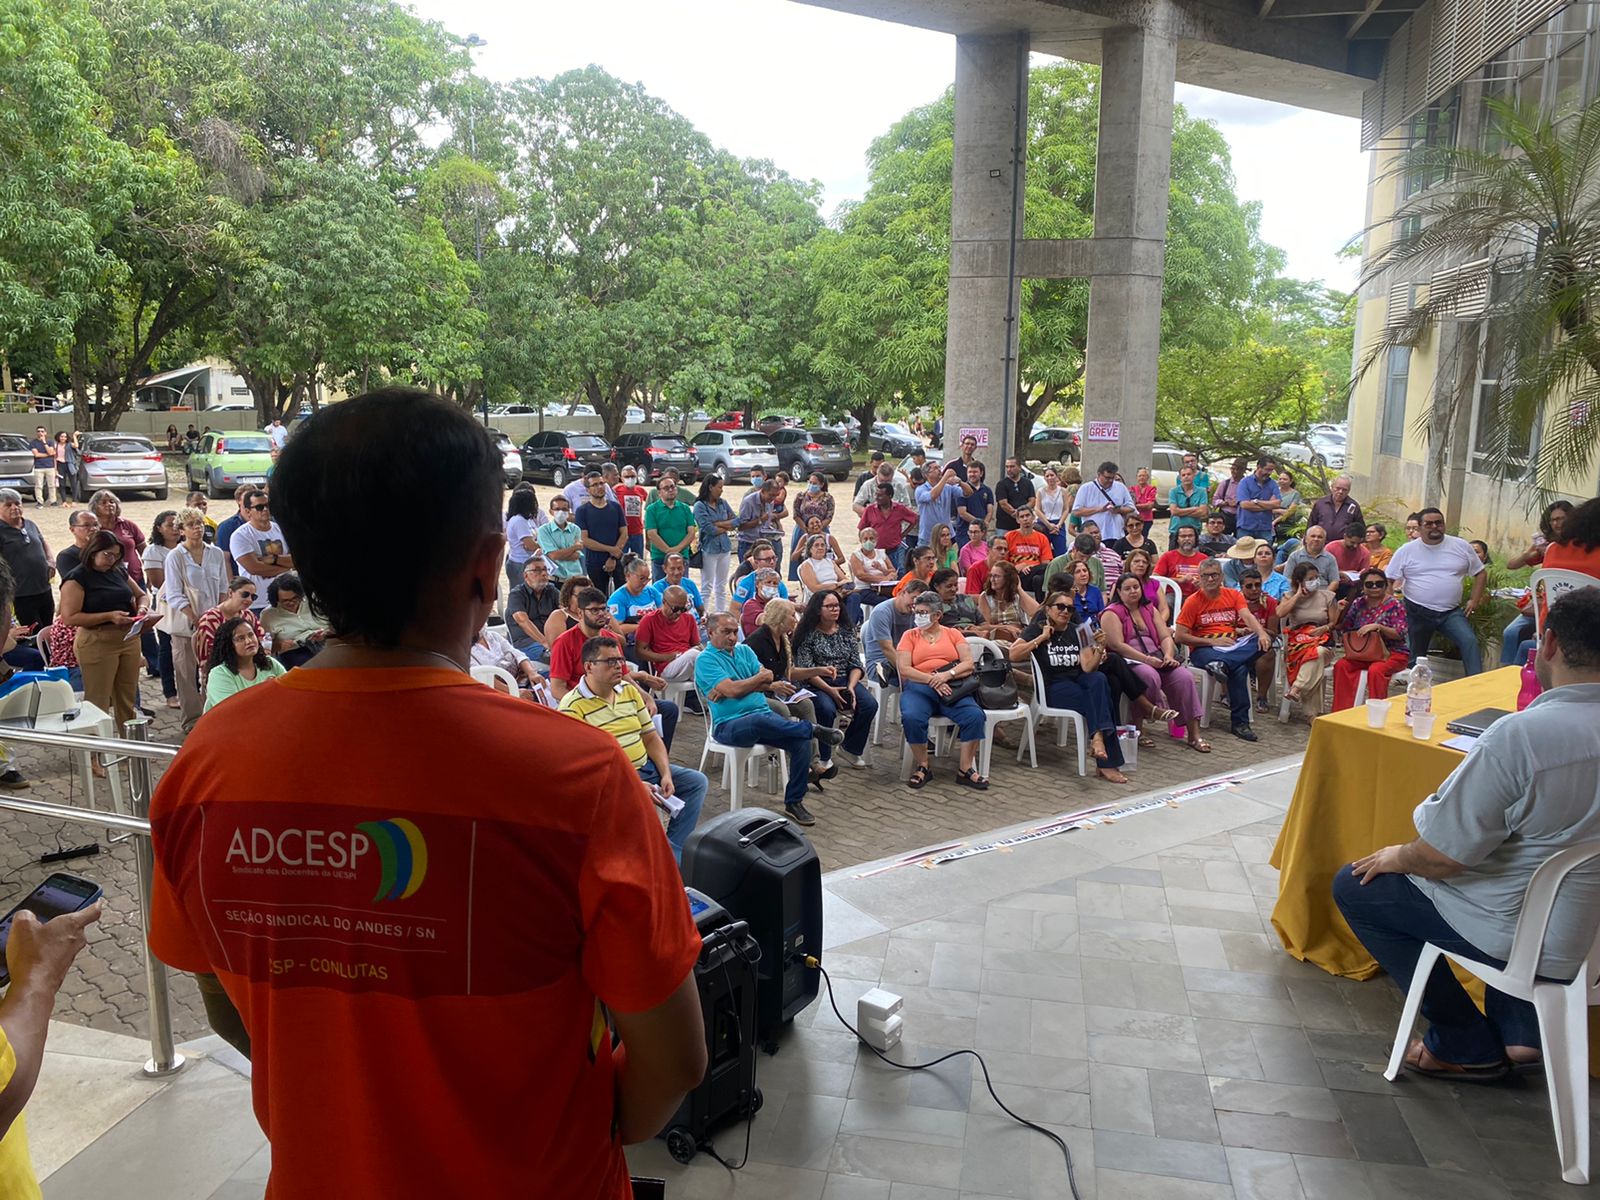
point(1123, 983)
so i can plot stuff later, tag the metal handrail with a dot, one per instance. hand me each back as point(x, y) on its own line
point(138, 751)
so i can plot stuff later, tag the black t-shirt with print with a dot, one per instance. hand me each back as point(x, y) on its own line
point(1058, 658)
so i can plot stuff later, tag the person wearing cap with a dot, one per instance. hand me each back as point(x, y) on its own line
point(932, 657)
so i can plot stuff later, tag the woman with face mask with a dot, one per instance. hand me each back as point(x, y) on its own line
point(874, 575)
point(1307, 615)
point(764, 592)
point(933, 657)
point(813, 502)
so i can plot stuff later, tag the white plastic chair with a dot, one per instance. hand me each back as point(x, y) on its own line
point(1205, 683)
point(1562, 1007)
point(888, 698)
point(992, 717)
point(738, 762)
point(1547, 585)
point(1040, 707)
point(1400, 679)
point(494, 677)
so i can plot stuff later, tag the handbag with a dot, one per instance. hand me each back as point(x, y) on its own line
point(180, 622)
point(1365, 647)
point(695, 558)
point(997, 686)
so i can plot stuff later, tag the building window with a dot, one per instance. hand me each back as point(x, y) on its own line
point(1496, 449)
point(1433, 128)
point(1394, 401)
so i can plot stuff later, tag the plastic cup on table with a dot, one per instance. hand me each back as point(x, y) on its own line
point(1378, 713)
point(1422, 726)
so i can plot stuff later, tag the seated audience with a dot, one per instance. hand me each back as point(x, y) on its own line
point(975, 550)
point(1216, 540)
point(1030, 551)
point(1135, 632)
point(734, 684)
point(237, 602)
point(873, 574)
point(960, 610)
point(819, 571)
point(1313, 550)
point(1182, 563)
point(1308, 615)
point(606, 700)
point(1069, 668)
point(1141, 564)
point(492, 649)
point(1264, 608)
point(1374, 628)
point(762, 557)
point(566, 658)
point(297, 632)
point(529, 608)
point(1209, 625)
point(634, 598)
point(944, 546)
point(1529, 789)
point(977, 575)
point(1087, 601)
point(931, 657)
point(1003, 605)
point(1378, 555)
point(668, 641)
point(924, 562)
point(827, 645)
point(237, 661)
point(1133, 537)
point(768, 587)
point(567, 616)
point(675, 573)
point(880, 639)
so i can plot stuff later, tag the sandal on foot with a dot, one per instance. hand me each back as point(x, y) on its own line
point(970, 778)
point(1146, 740)
point(1419, 1060)
point(1198, 745)
point(919, 777)
point(1165, 714)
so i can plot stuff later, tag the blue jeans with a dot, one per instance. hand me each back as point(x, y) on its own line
point(898, 557)
point(1393, 918)
point(635, 544)
point(1239, 663)
point(689, 786)
point(919, 703)
point(1514, 640)
point(1422, 623)
point(669, 720)
point(1089, 694)
point(795, 535)
point(781, 733)
point(855, 738)
point(1289, 546)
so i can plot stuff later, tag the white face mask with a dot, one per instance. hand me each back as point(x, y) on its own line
point(561, 516)
point(815, 487)
point(922, 620)
point(1314, 584)
point(769, 592)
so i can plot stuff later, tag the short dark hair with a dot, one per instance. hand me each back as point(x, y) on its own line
point(1422, 512)
point(1383, 530)
point(1108, 465)
point(1378, 571)
point(250, 496)
point(222, 651)
point(1575, 621)
point(916, 475)
point(1248, 574)
point(394, 441)
point(1266, 460)
point(941, 577)
point(590, 596)
point(1481, 547)
point(1083, 542)
point(1304, 569)
point(289, 581)
point(875, 456)
point(594, 647)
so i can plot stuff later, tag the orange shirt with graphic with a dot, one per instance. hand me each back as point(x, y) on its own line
point(1028, 550)
point(420, 942)
point(1213, 618)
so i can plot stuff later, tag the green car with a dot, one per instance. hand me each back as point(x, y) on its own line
point(227, 459)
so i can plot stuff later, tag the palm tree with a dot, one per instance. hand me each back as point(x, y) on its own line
point(1525, 219)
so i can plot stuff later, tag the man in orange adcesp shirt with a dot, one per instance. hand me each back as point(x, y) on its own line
point(432, 916)
point(1209, 623)
point(1030, 551)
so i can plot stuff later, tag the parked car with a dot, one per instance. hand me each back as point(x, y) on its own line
point(653, 453)
point(561, 457)
point(892, 439)
point(1310, 454)
point(225, 460)
point(123, 463)
point(731, 452)
point(728, 420)
point(232, 406)
point(634, 416)
point(1056, 444)
point(16, 463)
point(770, 423)
point(510, 460)
point(801, 451)
point(1165, 459)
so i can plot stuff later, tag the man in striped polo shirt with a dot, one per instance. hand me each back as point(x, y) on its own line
point(604, 699)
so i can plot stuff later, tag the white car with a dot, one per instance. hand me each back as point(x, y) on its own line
point(1306, 454)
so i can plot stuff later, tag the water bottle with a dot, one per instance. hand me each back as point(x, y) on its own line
point(1419, 692)
point(1531, 687)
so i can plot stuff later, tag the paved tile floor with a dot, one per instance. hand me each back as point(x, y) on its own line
point(1126, 990)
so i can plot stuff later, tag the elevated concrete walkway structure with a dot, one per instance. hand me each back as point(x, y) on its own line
point(1320, 54)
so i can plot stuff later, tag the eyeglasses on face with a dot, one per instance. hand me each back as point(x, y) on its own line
point(609, 661)
point(599, 609)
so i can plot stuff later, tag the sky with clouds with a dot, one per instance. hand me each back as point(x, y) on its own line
point(810, 89)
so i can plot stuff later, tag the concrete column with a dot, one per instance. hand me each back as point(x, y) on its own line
point(1132, 170)
point(986, 241)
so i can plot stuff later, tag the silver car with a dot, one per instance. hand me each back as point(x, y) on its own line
point(731, 452)
point(16, 463)
point(120, 463)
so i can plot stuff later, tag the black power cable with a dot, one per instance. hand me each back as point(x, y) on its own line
point(725, 938)
point(1072, 1181)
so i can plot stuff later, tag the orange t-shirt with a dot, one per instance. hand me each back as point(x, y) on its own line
point(931, 656)
point(1571, 557)
point(910, 580)
point(1213, 618)
point(1028, 549)
point(419, 946)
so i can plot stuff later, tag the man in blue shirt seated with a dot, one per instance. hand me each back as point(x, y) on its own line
point(888, 622)
point(732, 680)
point(763, 557)
point(676, 574)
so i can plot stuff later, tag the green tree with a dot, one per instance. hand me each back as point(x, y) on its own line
point(1218, 402)
point(1531, 204)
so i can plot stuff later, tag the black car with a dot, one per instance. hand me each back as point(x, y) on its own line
point(653, 453)
point(896, 441)
point(563, 457)
point(802, 451)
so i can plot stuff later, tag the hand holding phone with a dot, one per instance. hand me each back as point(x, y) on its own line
point(41, 936)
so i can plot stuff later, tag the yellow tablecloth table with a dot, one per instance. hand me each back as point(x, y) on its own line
point(1357, 790)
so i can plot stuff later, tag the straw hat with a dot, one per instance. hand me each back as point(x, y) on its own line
point(1246, 547)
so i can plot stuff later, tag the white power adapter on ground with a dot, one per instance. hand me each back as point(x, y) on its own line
point(878, 1018)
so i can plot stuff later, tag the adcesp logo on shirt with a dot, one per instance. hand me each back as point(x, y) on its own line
point(402, 853)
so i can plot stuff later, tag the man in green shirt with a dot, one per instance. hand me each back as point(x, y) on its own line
point(1188, 504)
point(668, 527)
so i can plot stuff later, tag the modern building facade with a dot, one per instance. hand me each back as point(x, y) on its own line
point(1423, 419)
